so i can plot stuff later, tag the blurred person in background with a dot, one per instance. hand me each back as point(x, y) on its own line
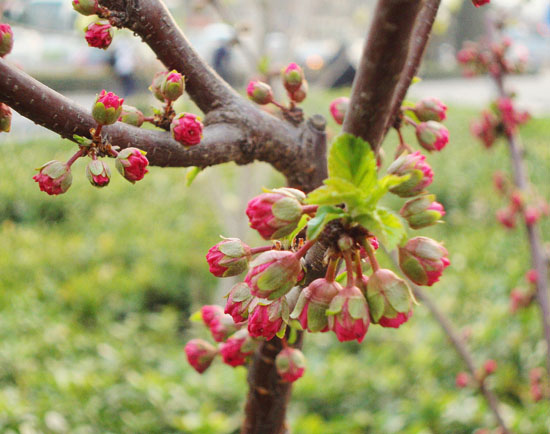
point(123, 61)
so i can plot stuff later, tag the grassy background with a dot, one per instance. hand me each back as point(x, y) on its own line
point(96, 287)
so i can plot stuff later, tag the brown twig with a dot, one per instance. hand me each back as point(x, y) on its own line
point(384, 57)
point(419, 41)
point(459, 345)
point(521, 181)
point(151, 20)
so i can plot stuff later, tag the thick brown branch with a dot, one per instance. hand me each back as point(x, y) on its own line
point(241, 135)
point(222, 142)
point(379, 72)
point(418, 43)
point(151, 20)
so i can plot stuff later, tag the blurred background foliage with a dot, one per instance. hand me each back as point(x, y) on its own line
point(96, 287)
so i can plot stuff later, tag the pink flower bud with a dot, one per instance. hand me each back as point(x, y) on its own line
point(220, 325)
point(272, 274)
point(99, 34)
point(54, 177)
point(107, 108)
point(131, 116)
point(518, 299)
point(132, 164)
point(98, 173)
point(172, 86)
point(237, 348)
point(478, 3)
point(389, 298)
point(259, 92)
point(500, 182)
point(422, 211)
point(486, 128)
point(268, 318)
point(186, 128)
point(338, 108)
point(228, 258)
point(290, 364)
point(86, 7)
point(158, 79)
point(200, 354)
point(292, 76)
point(423, 260)
point(430, 109)
point(532, 276)
point(299, 94)
point(462, 380)
point(490, 366)
point(432, 136)
point(507, 218)
point(275, 214)
point(348, 315)
point(532, 215)
point(313, 303)
point(6, 39)
point(420, 174)
point(5, 118)
point(238, 302)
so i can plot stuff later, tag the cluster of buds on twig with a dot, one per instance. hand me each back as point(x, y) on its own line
point(502, 119)
point(235, 344)
point(99, 33)
point(463, 379)
point(521, 298)
point(531, 209)
point(55, 177)
point(495, 58)
point(296, 87)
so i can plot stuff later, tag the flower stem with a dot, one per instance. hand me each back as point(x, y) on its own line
point(75, 157)
point(349, 269)
point(358, 268)
point(256, 250)
point(279, 105)
point(370, 253)
point(410, 121)
point(303, 250)
point(331, 270)
point(310, 209)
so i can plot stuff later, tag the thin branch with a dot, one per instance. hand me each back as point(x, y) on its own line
point(151, 20)
point(384, 57)
point(418, 43)
point(458, 345)
point(521, 181)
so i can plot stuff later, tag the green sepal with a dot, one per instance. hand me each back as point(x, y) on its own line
point(357, 307)
point(316, 317)
point(287, 209)
point(82, 141)
point(233, 248)
point(336, 305)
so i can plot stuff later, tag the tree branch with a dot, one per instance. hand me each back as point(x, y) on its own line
point(521, 181)
point(458, 345)
point(384, 57)
point(418, 43)
point(151, 20)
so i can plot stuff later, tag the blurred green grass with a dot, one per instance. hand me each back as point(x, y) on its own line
point(96, 287)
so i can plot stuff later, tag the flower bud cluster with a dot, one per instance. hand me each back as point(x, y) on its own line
point(496, 58)
point(55, 177)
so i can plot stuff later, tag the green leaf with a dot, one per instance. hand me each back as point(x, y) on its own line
point(324, 215)
point(192, 174)
point(196, 317)
point(385, 225)
point(394, 231)
point(301, 225)
point(352, 159)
